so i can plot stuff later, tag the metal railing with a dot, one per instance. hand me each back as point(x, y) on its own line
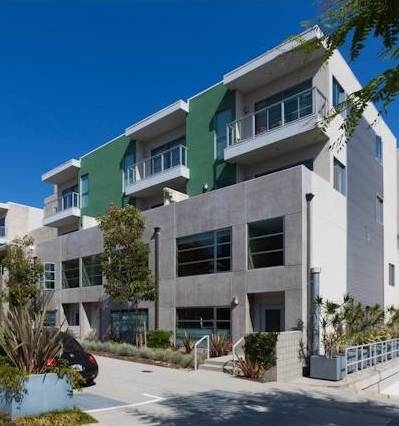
point(293, 108)
point(206, 337)
point(365, 356)
point(173, 157)
point(2, 231)
point(65, 202)
point(235, 356)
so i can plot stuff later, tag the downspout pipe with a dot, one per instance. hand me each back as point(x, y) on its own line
point(157, 231)
point(309, 197)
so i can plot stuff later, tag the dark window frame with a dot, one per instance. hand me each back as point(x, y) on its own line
point(267, 236)
point(213, 260)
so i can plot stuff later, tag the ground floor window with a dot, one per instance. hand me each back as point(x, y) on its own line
point(198, 322)
point(92, 274)
point(126, 323)
point(70, 273)
point(71, 312)
point(50, 318)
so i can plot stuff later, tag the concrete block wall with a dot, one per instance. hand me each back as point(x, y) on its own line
point(289, 363)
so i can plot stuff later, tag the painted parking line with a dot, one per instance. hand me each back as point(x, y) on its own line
point(153, 400)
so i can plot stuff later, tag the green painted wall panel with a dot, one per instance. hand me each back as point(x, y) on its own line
point(200, 141)
point(105, 168)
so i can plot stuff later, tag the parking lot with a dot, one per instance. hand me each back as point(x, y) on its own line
point(129, 393)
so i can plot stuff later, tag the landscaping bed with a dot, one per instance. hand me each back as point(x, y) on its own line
point(73, 417)
point(125, 351)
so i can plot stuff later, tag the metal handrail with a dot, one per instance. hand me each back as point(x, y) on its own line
point(196, 348)
point(234, 353)
point(364, 356)
point(148, 167)
point(235, 126)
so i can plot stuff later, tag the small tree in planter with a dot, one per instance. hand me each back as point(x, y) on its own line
point(125, 257)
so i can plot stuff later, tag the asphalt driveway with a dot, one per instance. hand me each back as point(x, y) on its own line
point(131, 394)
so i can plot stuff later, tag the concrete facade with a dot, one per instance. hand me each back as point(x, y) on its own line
point(265, 175)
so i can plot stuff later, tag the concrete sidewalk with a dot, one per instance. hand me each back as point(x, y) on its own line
point(129, 393)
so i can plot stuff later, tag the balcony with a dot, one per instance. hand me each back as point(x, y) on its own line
point(278, 128)
point(62, 211)
point(62, 173)
point(148, 177)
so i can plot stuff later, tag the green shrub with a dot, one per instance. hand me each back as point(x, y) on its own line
point(260, 348)
point(125, 349)
point(12, 382)
point(158, 339)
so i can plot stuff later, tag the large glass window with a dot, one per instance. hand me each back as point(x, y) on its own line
point(379, 209)
point(84, 190)
point(378, 148)
point(49, 276)
point(71, 312)
point(168, 155)
point(91, 271)
point(290, 104)
point(339, 94)
point(70, 273)
point(126, 323)
point(204, 253)
point(391, 267)
point(220, 122)
point(198, 322)
point(266, 243)
point(339, 177)
point(70, 198)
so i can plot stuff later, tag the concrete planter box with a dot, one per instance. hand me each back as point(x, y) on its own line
point(325, 368)
point(42, 393)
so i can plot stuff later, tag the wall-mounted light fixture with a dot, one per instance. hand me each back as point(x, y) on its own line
point(235, 302)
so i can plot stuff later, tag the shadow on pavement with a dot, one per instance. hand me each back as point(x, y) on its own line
point(285, 408)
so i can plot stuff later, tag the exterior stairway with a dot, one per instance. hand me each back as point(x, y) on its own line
point(222, 364)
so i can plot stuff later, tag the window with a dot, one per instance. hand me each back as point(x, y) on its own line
point(91, 271)
point(391, 267)
point(49, 276)
point(339, 177)
point(2, 226)
point(168, 155)
point(204, 253)
point(380, 209)
point(70, 273)
point(49, 319)
point(197, 322)
point(378, 148)
point(71, 312)
point(84, 190)
point(339, 94)
point(125, 324)
point(128, 161)
point(220, 122)
point(296, 102)
point(266, 243)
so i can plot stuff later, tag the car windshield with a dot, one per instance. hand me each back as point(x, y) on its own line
point(70, 344)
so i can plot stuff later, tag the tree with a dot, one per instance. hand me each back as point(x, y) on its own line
point(125, 256)
point(354, 21)
point(24, 271)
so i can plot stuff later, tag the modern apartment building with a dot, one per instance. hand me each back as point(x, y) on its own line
point(249, 193)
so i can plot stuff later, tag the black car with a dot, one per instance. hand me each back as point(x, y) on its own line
point(74, 355)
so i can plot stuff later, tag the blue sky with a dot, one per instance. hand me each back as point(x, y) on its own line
point(74, 74)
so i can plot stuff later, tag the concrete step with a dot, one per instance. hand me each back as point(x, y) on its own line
point(218, 364)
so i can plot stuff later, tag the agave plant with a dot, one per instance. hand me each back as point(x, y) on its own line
point(188, 343)
point(250, 369)
point(26, 341)
point(219, 345)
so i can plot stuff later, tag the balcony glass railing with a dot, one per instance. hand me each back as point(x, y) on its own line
point(67, 201)
point(160, 163)
point(303, 104)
